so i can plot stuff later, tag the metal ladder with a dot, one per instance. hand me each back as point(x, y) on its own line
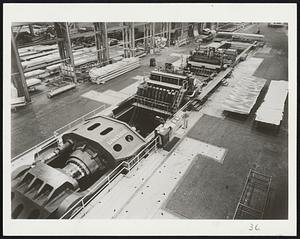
point(179, 98)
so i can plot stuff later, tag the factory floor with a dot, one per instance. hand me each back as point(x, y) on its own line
point(213, 188)
point(37, 121)
point(203, 176)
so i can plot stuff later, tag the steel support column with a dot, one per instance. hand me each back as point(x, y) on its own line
point(65, 46)
point(132, 40)
point(126, 41)
point(102, 44)
point(145, 38)
point(123, 39)
point(70, 52)
point(105, 42)
point(31, 29)
point(169, 34)
point(97, 43)
point(61, 44)
point(17, 72)
point(152, 34)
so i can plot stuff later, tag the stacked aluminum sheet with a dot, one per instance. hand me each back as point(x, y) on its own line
point(272, 108)
point(244, 95)
point(108, 72)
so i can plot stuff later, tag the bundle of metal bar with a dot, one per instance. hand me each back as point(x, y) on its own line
point(108, 72)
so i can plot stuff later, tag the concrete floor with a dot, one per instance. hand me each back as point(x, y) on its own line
point(214, 189)
point(36, 122)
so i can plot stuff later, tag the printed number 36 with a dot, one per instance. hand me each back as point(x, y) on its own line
point(254, 227)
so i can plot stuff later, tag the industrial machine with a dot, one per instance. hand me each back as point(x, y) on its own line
point(65, 171)
point(157, 99)
point(205, 61)
point(62, 175)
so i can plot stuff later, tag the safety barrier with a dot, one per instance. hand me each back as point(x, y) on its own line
point(99, 187)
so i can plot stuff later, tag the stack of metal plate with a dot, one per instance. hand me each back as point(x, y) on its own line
point(244, 95)
point(272, 108)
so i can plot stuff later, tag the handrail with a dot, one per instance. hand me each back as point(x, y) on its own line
point(61, 130)
point(98, 188)
point(32, 148)
point(78, 120)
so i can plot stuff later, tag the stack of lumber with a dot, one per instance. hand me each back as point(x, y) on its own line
point(108, 72)
point(243, 95)
point(272, 108)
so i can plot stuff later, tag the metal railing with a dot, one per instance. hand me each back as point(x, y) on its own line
point(79, 120)
point(99, 187)
point(33, 148)
point(61, 130)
